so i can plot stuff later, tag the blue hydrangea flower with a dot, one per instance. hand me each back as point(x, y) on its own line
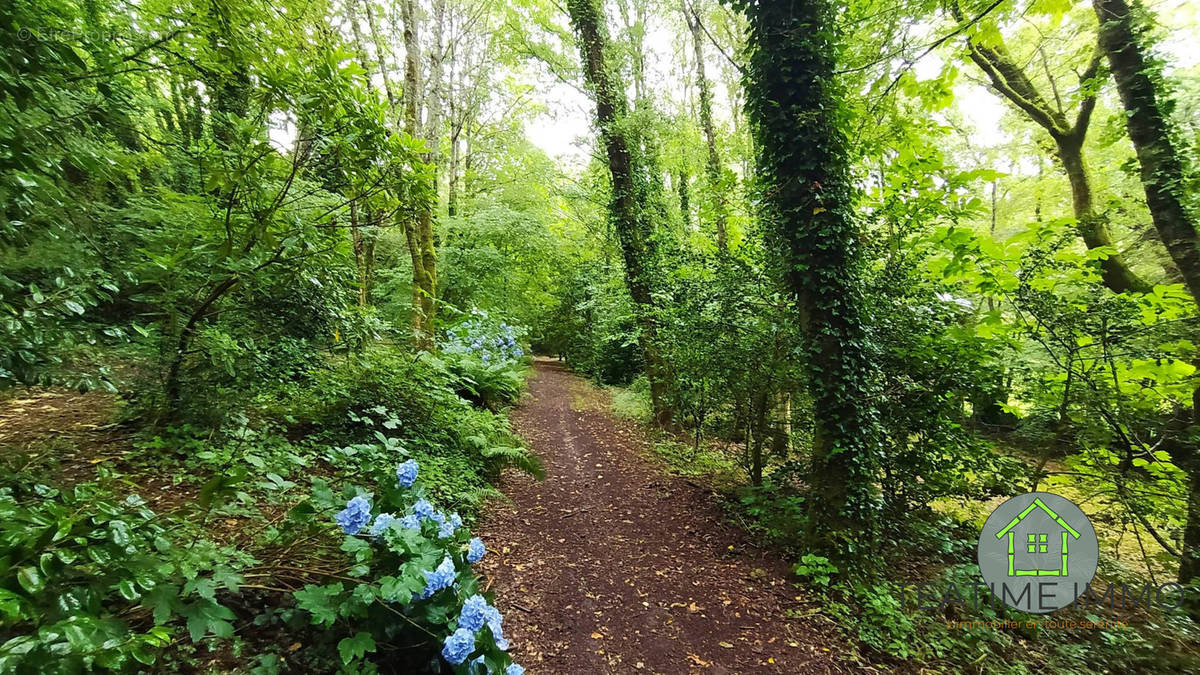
point(456, 520)
point(492, 618)
point(423, 509)
point(459, 646)
point(514, 669)
point(438, 517)
point(410, 522)
point(474, 613)
point(475, 550)
point(436, 580)
point(355, 516)
point(381, 522)
point(406, 473)
point(446, 530)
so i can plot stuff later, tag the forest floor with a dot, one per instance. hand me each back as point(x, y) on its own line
point(610, 565)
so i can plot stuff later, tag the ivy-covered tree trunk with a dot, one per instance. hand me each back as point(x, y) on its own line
point(713, 162)
point(808, 200)
point(1166, 179)
point(629, 209)
point(1147, 119)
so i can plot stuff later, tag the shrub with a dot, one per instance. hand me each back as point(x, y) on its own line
point(411, 582)
point(87, 582)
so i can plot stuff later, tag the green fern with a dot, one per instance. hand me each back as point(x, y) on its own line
point(516, 457)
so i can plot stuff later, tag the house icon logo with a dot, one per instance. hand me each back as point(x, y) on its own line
point(1037, 552)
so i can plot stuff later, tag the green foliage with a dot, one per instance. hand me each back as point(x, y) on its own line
point(794, 102)
point(816, 569)
point(79, 566)
point(206, 205)
point(383, 598)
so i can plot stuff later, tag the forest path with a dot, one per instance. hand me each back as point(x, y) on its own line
point(610, 565)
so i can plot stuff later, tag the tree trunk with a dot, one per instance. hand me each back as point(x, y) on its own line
point(804, 162)
point(172, 388)
point(713, 165)
point(433, 140)
point(1189, 559)
point(1165, 178)
point(452, 188)
point(356, 241)
point(1162, 163)
point(1011, 82)
point(381, 56)
point(629, 210)
point(1113, 270)
point(422, 332)
point(685, 199)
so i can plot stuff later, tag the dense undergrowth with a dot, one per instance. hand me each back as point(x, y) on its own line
point(217, 547)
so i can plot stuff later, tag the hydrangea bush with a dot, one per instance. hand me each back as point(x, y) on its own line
point(413, 581)
point(486, 360)
point(491, 342)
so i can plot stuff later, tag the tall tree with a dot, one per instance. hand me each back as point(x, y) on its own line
point(433, 140)
point(418, 225)
point(1010, 81)
point(1166, 179)
point(631, 207)
point(795, 104)
point(713, 165)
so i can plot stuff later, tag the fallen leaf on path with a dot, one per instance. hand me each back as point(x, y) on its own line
point(726, 645)
point(597, 636)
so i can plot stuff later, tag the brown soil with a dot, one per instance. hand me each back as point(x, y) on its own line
point(611, 566)
point(77, 434)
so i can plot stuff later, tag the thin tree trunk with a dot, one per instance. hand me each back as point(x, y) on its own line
point(356, 239)
point(455, 162)
point(381, 54)
point(713, 165)
point(631, 215)
point(685, 199)
point(412, 120)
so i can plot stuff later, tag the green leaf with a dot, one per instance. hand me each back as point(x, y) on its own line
point(10, 604)
point(355, 647)
point(142, 653)
point(30, 579)
point(319, 601)
point(128, 590)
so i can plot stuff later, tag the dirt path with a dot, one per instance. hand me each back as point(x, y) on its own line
point(611, 566)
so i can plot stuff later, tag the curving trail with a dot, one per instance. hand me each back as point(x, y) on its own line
point(610, 565)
